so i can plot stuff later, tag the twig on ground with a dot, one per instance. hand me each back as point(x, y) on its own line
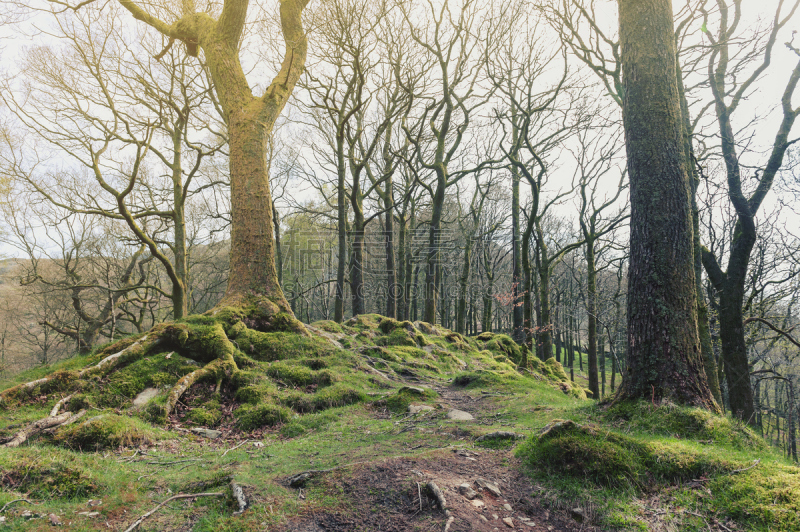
point(234, 448)
point(6, 505)
point(173, 498)
point(755, 463)
point(449, 522)
point(175, 462)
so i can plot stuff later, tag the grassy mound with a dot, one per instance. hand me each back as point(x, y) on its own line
point(45, 475)
point(683, 422)
point(609, 459)
point(106, 431)
point(691, 457)
point(219, 370)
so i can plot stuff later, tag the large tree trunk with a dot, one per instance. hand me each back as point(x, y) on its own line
point(252, 266)
point(664, 358)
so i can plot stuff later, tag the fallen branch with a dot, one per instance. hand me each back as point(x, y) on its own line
point(70, 421)
point(437, 495)
point(501, 435)
point(449, 522)
point(173, 498)
point(239, 497)
point(6, 505)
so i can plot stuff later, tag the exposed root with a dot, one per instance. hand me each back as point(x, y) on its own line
point(36, 427)
point(221, 367)
point(59, 404)
point(145, 344)
point(173, 498)
point(134, 351)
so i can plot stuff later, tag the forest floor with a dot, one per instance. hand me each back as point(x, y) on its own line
point(376, 465)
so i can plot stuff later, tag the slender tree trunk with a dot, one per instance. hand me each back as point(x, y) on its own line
point(517, 310)
point(664, 357)
point(545, 333)
point(341, 229)
point(591, 295)
point(463, 283)
point(392, 285)
point(431, 270)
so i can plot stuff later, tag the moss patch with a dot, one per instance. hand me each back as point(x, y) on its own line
point(683, 422)
point(609, 459)
point(45, 475)
point(107, 431)
point(263, 415)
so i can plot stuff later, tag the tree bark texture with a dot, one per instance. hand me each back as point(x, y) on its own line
point(664, 358)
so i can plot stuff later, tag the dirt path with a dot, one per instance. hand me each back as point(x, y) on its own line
point(390, 493)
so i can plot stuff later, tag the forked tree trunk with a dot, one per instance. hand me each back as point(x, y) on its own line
point(250, 119)
point(664, 355)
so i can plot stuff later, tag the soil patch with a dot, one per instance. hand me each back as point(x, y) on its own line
point(391, 496)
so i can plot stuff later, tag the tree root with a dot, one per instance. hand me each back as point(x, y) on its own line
point(34, 428)
point(134, 351)
point(9, 503)
point(223, 365)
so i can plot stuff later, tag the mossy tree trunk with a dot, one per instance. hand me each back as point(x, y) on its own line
point(664, 359)
point(250, 119)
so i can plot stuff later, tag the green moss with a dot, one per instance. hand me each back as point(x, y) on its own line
point(154, 371)
point(328, 326)
point(555, 370)
point(254, 394)
point(310, 422)
point(684, 422)
point(503, 345)
point(45, 475)
point(206, 416)
point(282, 345)
point(364, 321)
point(610, 459)
point(314, 363)
point(764, 498)
point(482, 378)
point(107, 431)
point(263, 415)
point(300, 375)
point(337, 395)
point(401, 337)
